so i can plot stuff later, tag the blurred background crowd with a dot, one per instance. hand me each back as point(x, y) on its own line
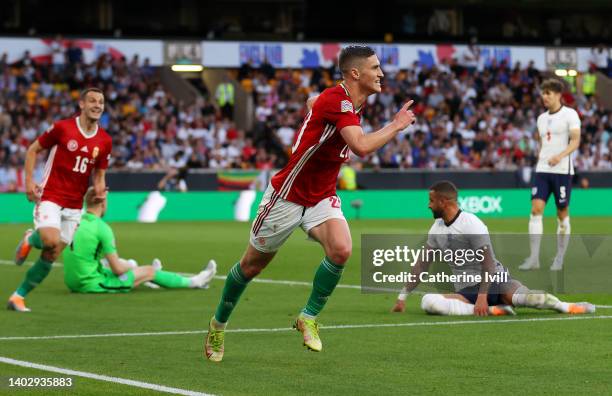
point(469, 116)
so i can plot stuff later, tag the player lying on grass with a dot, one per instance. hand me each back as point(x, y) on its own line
point(454, 230)
point(94, 242)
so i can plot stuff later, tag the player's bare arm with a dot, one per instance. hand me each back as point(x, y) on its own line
point(362, 144)
point(99, 183)
point(538, 141)
point(574, 142)
point(116, 265)
point(481, 308)
point(33, 190)
point(419, 267)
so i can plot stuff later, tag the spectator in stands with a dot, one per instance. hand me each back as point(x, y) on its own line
point(470, 57)
point(267, 69)
point(466, 119)
point(74, 54)
point(390, 69)
point(58, 54)
point(226, 97)
point(600, 56)
point(246, 70)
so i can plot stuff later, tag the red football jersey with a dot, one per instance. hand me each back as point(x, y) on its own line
point(318, 150)
point(72, 157)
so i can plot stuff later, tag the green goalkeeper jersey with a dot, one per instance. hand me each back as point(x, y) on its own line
point(93, 240)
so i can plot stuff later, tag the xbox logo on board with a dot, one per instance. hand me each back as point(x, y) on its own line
point(481, 204)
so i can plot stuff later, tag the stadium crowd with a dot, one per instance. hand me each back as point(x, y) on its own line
point(468, 116)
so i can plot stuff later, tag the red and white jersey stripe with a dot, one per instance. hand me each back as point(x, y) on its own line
point(318, 150)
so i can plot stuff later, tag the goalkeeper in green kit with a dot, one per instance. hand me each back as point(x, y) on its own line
point(92, 265)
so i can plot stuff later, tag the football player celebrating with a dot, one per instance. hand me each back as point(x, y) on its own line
point(78, 147)
point(303, 194)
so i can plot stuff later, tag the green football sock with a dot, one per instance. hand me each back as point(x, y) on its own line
point(326, 278)
point(35, 240)
point(171, 280)
point(35, 275)
point(234, 286)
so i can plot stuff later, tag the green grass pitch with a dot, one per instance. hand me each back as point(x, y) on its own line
point(474, 356)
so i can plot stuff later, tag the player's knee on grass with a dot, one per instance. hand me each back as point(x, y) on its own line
point(438, 304)
point(433, 304)
point(144, 273)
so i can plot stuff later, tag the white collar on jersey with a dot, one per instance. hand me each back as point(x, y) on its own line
point(83, 132)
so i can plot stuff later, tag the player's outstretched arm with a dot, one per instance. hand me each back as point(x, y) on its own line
point(33, 190)
point(362, 144)
point(481, 308)
point(420, 267)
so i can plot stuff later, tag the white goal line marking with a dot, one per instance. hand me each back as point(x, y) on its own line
point(99, 377)
point(280, 282)
point(332, 327)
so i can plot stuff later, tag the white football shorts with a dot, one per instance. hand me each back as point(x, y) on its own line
point(50, 214)
point(277, 218)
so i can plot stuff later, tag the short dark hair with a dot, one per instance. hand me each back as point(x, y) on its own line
point(445, 188)
point(552, 84)
point(350, 54)
point(90, 89)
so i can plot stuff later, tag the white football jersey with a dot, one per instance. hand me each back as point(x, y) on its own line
point(554, 130)
point(466, 231)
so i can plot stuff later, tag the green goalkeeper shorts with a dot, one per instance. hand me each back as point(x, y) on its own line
point(108, 282)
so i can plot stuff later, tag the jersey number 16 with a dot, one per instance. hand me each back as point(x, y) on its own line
point(81, 164)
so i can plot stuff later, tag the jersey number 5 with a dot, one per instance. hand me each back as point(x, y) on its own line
point(81, 164)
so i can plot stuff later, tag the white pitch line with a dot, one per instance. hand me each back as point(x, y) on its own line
point(99, 377)
point(333, 327)
point(286, 282)
point(223, 277)
point(11, 262)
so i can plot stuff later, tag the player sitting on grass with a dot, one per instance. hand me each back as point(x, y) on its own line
point(454, 230)
point(94, 242)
